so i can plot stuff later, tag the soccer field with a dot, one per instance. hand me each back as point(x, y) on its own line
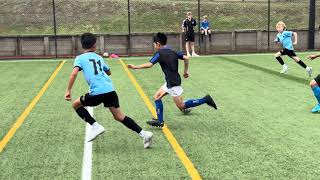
point(263, 128)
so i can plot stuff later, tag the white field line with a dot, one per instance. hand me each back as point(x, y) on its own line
point(87, 154)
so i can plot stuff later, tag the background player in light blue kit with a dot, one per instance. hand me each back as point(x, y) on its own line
point(285, 39)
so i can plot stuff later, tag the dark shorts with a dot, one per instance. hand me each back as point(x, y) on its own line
point(108, 99)
point(190, 36)
point(288, 52)
point(317, 79)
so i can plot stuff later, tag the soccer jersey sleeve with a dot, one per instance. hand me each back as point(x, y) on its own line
point(287, 33)
point(180, 55)
point(155, 58)
point(104, 66)
point(77, 63)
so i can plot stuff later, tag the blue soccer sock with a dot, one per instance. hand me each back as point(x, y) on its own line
point(316, 92)
point(159, 109)
point(194, 102)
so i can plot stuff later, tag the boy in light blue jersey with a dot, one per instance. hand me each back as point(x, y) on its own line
point(285, 39)
point(96, 73)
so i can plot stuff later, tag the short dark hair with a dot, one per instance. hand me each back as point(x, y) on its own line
point(160, 38)
point(88, 40)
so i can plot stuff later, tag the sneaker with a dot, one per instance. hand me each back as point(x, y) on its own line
point(309, 70)
point(188, 54)
point(155, 123)
point(210, 101)
point(195, 55)
point(96, 130)
point(284, 69)
point(316, 109)
point(147, 139)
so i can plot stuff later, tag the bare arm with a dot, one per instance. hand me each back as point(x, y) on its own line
point(72, 78)
point(142, 66)
point(295, 38)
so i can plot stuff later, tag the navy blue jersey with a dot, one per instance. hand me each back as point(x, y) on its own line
point(189, 25)
point(169, 62)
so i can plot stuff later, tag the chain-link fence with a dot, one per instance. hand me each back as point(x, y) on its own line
point(125, 25)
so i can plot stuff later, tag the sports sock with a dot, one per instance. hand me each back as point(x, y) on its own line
point(84, 114)
point(194, 102)
point(159, 109)
point(210, 37)
point(202, 37)
point(280, 60)
point(316, 92)
point(129, 123)
point(302, 64)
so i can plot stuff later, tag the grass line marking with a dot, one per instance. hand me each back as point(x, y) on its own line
point(29, 108)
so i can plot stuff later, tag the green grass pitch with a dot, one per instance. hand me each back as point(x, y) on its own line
point(263, 128)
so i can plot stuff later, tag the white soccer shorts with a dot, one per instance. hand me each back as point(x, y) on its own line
point(174, 91)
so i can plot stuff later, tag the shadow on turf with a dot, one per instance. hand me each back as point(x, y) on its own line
point(275, 73)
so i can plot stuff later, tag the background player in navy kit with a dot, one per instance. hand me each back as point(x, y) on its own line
point(187, 26)
point(285, 39)
point(101, 90)
point(169, 61)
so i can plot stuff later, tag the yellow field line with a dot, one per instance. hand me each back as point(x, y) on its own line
point(193, 172)
point(27, 111)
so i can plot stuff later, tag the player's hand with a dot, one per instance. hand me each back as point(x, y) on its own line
point(67, 96)
point(186, 75)
point(312, 57)
point(131, 66)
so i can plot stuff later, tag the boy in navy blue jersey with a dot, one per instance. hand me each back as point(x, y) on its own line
point(96, 73)
point(285, 39)
point(169, 61)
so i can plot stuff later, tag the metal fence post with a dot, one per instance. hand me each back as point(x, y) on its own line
point(199, 24)
point(55, 28)
point(312, 22)
point(269, 14)
point(129, 29)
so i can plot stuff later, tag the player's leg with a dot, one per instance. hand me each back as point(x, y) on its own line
point(314, 84)
point(194, 54)
point(111, 101)
point(159, 107)
point(206, 32)
point(209, 32)
point(202, 34)
point(187, 46)
point(131, 124)
point(301, 63)
point(280, 60)
point(79, 104)
point(176, 93)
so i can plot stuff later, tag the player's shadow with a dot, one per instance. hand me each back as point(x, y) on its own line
point(275, 73)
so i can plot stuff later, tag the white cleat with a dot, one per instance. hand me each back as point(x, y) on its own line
point(195, 55)
point(284, 69)
point(147, 139)
point(309, 71)
point(96, 130)
point(188, 54)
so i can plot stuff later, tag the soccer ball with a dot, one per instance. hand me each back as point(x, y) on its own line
point(187, 110)
point(105, 54)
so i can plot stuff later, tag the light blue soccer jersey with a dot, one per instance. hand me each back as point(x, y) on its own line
point(94, 68)
point(286, 39)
